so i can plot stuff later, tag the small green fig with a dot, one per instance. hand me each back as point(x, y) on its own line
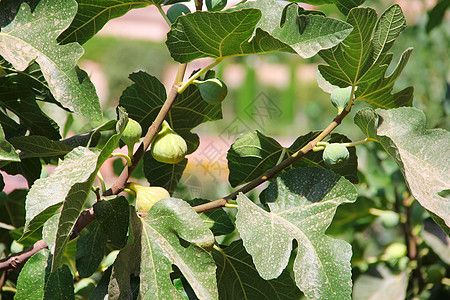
point(168, 147)
point(394, 251)
point(340, 97)
point(389, 219)
point(147, 196)
point(177, 10)
point(132, 133)
point(335, 154)
point(215, 5)
point(212, 90)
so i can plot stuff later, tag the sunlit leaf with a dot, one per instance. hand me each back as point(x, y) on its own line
point(317, 33)
point(422, 154)
point(31, 36)
point(92, 15)
point(302, 204)
point(238, 278)
point(362, 59)
point(170, 234)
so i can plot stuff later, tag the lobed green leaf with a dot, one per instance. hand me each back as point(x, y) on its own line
point(422, 154)
point(282, 22)
point(170, 234)
point(31, 36)
point(362, 59)
point(302, 204)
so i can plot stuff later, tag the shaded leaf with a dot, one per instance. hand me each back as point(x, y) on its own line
point(21, 101)
point(113, 216)
point(217, 220)
point(168, 235)
point(7, 151)
point(30, 168)
point(436, 14)
point(362, 59)
point(92, 15)
point(344, 5)
point(90, 249)
point(381, 284)
point(146, 96)
point(32, 37)
point(10, 127)
point(220, 34)
point(317, 34)
point(422, 154)
point(39, 146)
point(302, 204)
point(12, 208)
point(165, 175)
point(59, 284)
point(250, 155)
point(437, 239)
point(238, 278)
point(101, 290)
point(30, 79)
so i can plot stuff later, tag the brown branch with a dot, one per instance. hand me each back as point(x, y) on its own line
point(16, 260)
point(269, 174)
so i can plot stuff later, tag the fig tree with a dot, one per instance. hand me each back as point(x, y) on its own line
point(335, 154)
point(212, 90)
point(147, 196)
point(168, 147)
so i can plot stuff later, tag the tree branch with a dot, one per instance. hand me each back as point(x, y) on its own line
point(269, 174)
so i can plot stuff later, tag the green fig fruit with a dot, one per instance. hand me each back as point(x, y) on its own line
point(389, 219)
point(147, 196)
point(212, 90)
point(132, 133)
point(168, 147)
point(215, 5)
point(335, 154)
point(340, 98)
point(177, 10)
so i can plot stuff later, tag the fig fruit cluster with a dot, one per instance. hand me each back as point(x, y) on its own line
point(168, 147)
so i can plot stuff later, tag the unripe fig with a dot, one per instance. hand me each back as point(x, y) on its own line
point(132, 133)
point(168, 147)
point(177, 10)
point(340, 97)
point(394, 251)
point(215, 5)
point(147, 196)
point(335, 154)
point(389, 219)
point(212, 90)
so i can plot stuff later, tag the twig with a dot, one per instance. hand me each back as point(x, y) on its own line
point(16, 260)
point(269, 174)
